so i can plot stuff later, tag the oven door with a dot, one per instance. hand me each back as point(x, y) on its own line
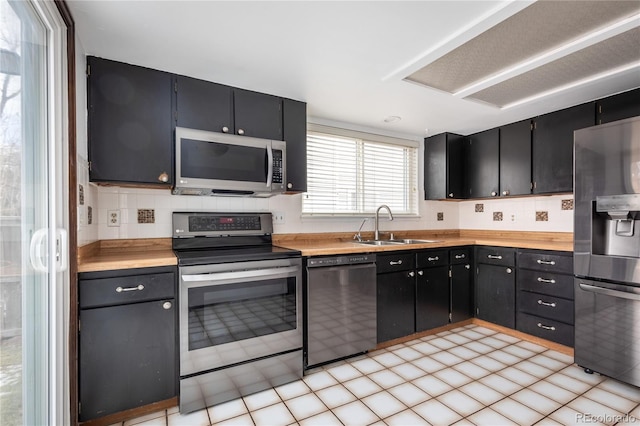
point(235, 312)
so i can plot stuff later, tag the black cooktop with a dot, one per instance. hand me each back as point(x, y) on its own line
point(236, 254)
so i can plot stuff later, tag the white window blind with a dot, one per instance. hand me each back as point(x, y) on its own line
point(349, 175)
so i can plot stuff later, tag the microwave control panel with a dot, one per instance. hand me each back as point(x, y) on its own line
point(277, 166)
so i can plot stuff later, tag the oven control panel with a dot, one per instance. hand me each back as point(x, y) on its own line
point(221, 224)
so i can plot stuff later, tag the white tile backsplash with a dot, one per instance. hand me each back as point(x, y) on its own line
point(519, 214)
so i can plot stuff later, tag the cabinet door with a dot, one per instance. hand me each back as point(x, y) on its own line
point(131, 123)
point(483, 164)
point(495, 294)
point(553, 147)
point(396, 305)
point(127, 357)
point(432, 298)
point(257, 114)
point(444, 167)
point(618, 107)
point(461, 292)
point(295, 135)
point(204, 105)
point(515, 158)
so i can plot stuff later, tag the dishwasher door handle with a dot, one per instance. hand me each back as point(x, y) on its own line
point(341, 267)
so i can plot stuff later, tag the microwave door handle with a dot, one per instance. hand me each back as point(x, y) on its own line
point(269, 166)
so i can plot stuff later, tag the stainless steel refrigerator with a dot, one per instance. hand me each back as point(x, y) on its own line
point(607, 249)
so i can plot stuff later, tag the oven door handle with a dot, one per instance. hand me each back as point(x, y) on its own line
point(254, 273)
point(633, 294)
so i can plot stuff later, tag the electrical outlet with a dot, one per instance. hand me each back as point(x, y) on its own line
point(278, 217)
point(113, 217)
point(513, 218)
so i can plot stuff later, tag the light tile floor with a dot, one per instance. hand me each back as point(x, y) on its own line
point(469, 375)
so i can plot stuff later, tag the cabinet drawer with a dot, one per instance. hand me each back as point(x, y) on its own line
point(549, 283)
point(126, 289)
point(546, 306)
point(545, 328)
point(496, 256)
point(400, 261)
point(545, 261)
point(427, 259)
point(459, 255)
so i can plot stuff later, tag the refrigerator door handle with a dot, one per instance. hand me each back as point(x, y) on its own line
point(632, 295)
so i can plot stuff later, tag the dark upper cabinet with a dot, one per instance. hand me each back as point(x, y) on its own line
point(515, 158)
point(553, 147)
point(257, 114)
point(131, 122)
point(295, 135)
point(204, 105)
point(483, 165)
point(444, 166)
point(618, 107)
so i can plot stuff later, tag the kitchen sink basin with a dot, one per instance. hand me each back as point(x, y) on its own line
point(396, 242)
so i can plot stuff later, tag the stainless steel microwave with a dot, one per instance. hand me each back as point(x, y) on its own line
point(210, 163)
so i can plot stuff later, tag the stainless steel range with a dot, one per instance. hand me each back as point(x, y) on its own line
point(240, 307)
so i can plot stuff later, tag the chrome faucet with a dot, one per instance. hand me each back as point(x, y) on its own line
point(376, 235)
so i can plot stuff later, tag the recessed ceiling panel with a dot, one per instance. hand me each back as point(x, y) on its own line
point(539, 28)
point(612, 53)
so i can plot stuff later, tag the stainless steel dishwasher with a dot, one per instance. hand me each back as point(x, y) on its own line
point(341, 307)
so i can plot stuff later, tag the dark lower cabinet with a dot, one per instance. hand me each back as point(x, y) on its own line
point(396, 297)
point(461, 292)
point(552, 147)
point(128, 348)
point(131, 122)
point(496, 285)
point(432, 297)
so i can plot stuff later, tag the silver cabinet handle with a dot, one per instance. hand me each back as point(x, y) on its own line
point(505, 192)
point(412, 274)
point(164, 177)
point(546, 327)
point(451, 195)
point(460, 256)
point(546, 280)
point(289, 185)
point(626, 293)
point(546, 262)
point(467, 266)
point(493, 256)
point(541, 302)
point(433, 259)
point(136, 288)
point(494, 193)
point(509, 270)
point(225, 129)
point(399, 262)
point(240, 132)
point(421, 273)
point(167, 305)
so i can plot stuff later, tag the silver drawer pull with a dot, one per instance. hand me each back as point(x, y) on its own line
point(492, 256)
point(509, 270)
point(552, 304)
point(137, 288)
point(546, 262)
point(460, 256)
point(421, 273)
point(399, 262)
point(546, 280)
point(412, 274)
point(546, 327)
point(433, 259)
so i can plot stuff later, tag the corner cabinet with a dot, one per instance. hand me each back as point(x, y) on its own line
point(444, 167)
point(131, 123)
point(553, 147)
point(128, 340)
point(483, 164)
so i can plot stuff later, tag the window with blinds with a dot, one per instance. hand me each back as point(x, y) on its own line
point(349, 175)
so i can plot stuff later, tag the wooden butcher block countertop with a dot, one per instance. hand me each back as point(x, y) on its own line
point(107, 255)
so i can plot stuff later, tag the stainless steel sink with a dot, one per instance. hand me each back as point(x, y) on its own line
point(412, 241)
point(396, 242)
point(381, 243)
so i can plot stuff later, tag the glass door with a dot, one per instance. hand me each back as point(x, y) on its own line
point(32, 251)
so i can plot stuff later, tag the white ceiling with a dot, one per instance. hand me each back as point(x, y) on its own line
point(347, 60)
